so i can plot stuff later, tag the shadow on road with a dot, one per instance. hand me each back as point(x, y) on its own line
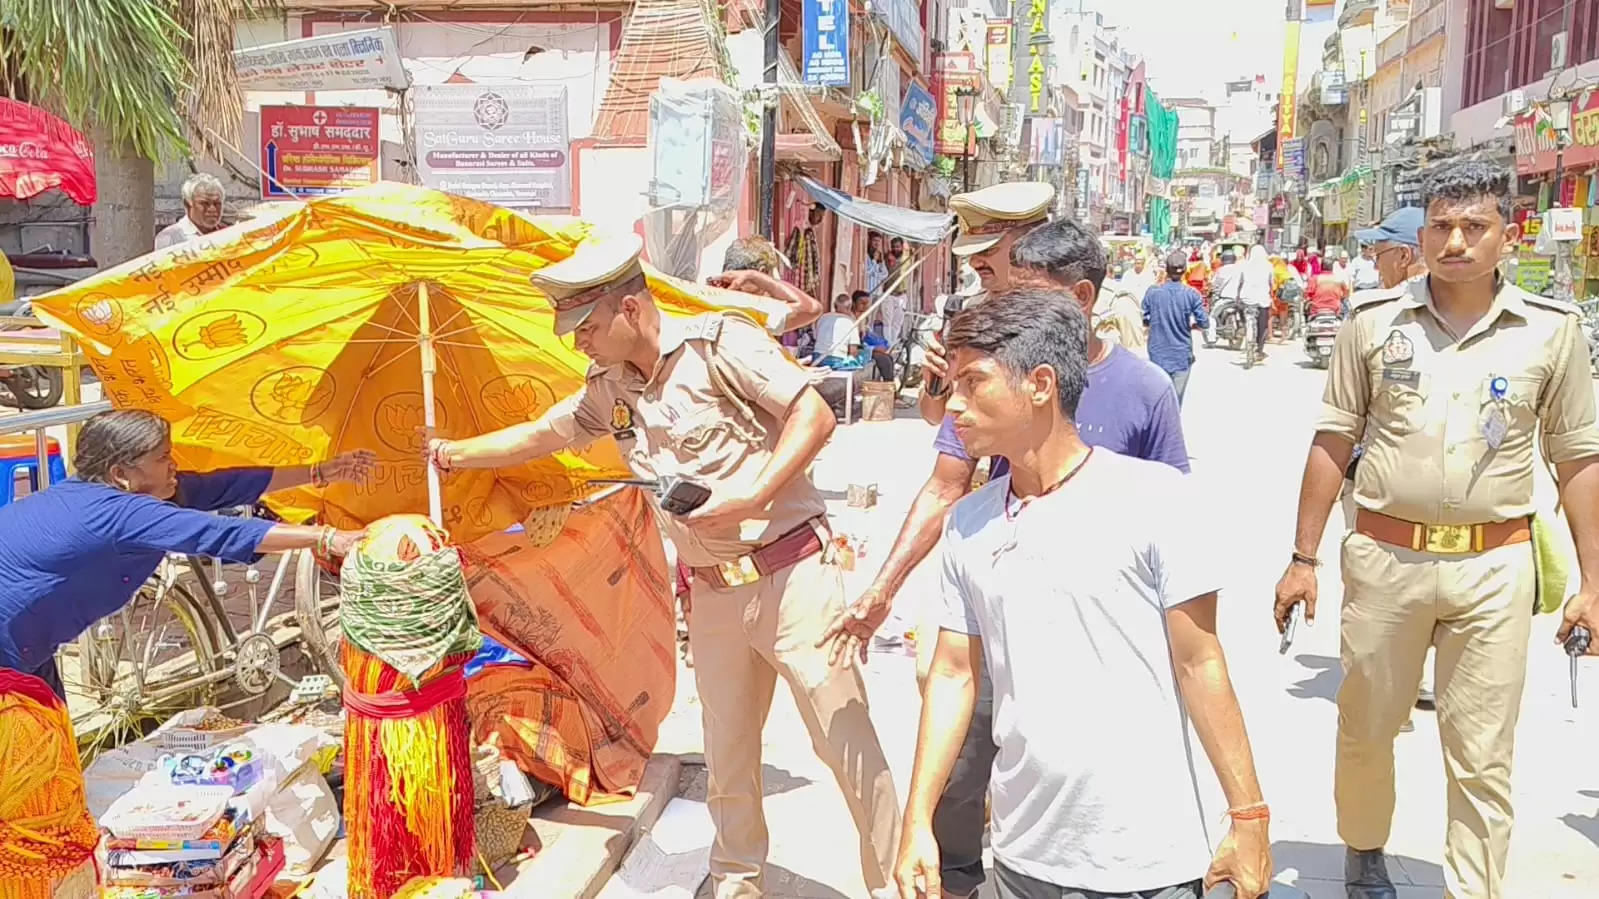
point(1325, 862)
point(1587, 825)
point(774, 780)
point(781, 883)
point(1326, 673)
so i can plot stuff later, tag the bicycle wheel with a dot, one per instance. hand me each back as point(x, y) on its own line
point(316, 610)
point(131, 670)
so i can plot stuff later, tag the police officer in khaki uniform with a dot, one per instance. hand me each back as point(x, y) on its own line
point(1446, 381)
point(990, 220)
point(713, 399)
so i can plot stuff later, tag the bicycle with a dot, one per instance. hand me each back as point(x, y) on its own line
point(176, 644)
point(913, 338)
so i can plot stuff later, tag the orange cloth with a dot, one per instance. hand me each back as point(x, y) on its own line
point(594, 613)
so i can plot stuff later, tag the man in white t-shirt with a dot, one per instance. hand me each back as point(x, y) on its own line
point(837, 339)
point(1098, 633)
point(1227, 284)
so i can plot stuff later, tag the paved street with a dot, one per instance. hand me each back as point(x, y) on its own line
point(1247, 432)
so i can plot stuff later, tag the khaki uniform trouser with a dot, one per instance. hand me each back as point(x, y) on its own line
point(1476, 610)
point(742, 639)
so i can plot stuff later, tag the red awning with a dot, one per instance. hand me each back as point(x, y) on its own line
point(39, 151)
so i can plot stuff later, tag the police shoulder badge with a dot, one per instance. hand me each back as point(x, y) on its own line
point(621, 418)
point(1397, 349)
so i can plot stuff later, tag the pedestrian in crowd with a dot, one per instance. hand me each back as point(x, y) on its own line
point(715, 397)
point(203, 199)
point(1363, 271)
point(1395, 247)
point(1038, 594)
point(752, 265)
point(1256, 292)
point(1446, 381)
point(837, 340)
point(1172, 310)
point(1139, 279)
point(1128, 407)
point(1326, 295)
point(1226, 284)
point(989, 221)
point(872, 339)
point(876, 261)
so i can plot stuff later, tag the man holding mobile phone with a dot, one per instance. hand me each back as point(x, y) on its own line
point(714, 400)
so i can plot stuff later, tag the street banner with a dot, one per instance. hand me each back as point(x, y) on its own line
point(918, 117)
point(1000, 54)
point(956, 72)
point(826, 59)
point(1036, 39)
point(1293, 158)
point(315, 151)
point(1288, 97)
point(1535, 138)
point(347, 61)
point(506, 144)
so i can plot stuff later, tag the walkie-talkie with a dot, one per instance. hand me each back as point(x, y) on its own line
point(952, 306)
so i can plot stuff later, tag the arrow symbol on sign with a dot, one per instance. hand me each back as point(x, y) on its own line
point(272, 168)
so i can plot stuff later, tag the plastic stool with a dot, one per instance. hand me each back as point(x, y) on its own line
point(20, 452)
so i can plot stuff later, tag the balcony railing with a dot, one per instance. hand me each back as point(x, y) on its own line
point(38, 422)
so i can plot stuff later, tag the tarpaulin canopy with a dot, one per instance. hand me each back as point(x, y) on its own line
point(39, 151)
point(917, 227)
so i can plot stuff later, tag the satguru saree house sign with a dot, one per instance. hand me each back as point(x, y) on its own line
point(505, 144)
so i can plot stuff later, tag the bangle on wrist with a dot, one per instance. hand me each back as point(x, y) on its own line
point(1306, 559)
point(317, 479)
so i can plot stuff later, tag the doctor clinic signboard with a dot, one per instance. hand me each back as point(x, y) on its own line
point(505, 144)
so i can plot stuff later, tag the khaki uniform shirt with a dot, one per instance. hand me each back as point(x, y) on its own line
point(1422, 400)
point(678, 424)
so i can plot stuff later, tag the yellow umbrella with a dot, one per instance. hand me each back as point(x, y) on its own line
point(350, 322)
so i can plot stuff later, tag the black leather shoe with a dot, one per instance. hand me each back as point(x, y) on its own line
point(1366, 875)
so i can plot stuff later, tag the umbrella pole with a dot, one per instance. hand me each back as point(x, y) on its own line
point(424, 341)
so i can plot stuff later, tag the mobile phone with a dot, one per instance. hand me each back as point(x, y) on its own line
point(1294, 614)
point(953, 305)
point(680, 497)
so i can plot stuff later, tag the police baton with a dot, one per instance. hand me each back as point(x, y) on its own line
point(1576, 646)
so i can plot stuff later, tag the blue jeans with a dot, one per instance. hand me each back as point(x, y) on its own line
point(1179, 382)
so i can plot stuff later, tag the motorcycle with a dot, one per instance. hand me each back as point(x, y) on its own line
point(1321, 331)
point(1230, 318)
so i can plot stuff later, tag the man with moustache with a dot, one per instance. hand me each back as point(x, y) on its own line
point(1129, 407)
point(1447, 383)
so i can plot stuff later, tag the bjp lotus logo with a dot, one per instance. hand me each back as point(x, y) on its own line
point(293, 396)
point(100, 313)
point(512, 399)
point(397, 420)
point(210, 335)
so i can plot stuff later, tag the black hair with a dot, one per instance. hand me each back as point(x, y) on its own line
point(1470, 180)
point(1025, 328)
point(119, 437)
point(1064, 250)
point(858, 295)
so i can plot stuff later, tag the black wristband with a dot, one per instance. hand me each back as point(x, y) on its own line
point(1302, 559)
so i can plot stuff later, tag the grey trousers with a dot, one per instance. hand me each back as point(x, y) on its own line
point(1010, 885)
point(959, 820)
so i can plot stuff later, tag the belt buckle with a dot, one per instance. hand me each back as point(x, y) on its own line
point(738, 572)
point(1448, 538)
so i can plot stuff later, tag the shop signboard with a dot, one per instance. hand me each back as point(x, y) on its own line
point(1333, 90)
point(345, 61)
point(918, 116)
point(1035, 75)
point(1288, 97)
point(827, 43)
point(314, 151)
point(1535, 142)
point(956, 72)
point(502, 143)
point(1292, 154)
point(1000, 54)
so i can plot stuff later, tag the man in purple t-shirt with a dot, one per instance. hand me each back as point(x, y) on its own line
point(1128, 407)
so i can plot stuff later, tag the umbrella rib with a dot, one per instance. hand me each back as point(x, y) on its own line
point(396, 358)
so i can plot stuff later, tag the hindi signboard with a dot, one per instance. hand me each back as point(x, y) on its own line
point(502, 143)
point(346, 61)
point(956, 72)
point(314, 151)
point(826, 57)
point(1288, 97)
